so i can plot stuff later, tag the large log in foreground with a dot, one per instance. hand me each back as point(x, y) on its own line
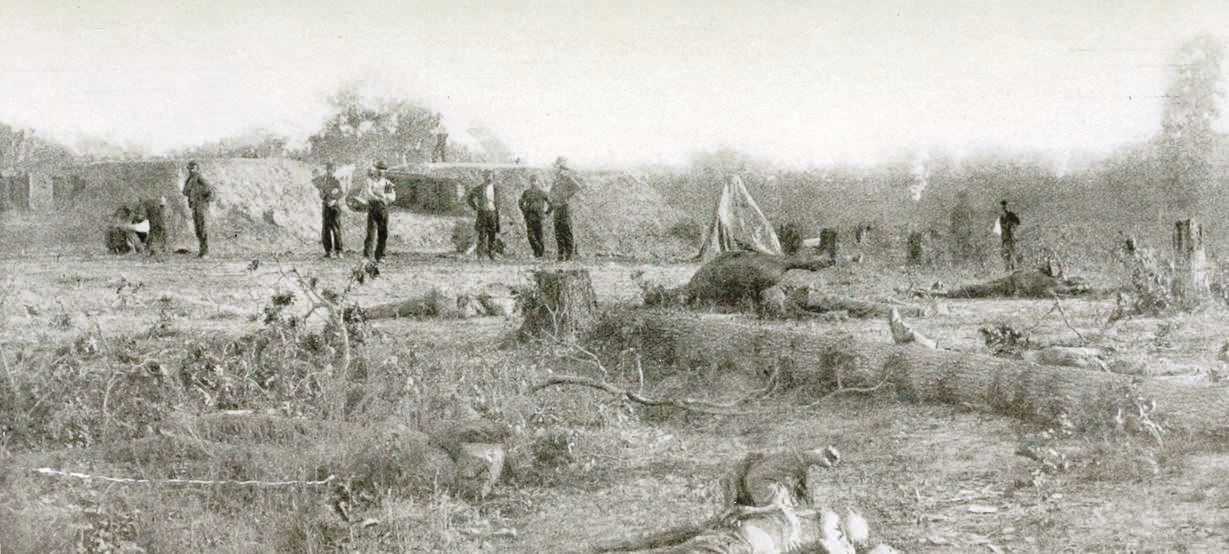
point(814, 358)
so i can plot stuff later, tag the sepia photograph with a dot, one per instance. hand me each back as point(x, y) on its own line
point(584, 276)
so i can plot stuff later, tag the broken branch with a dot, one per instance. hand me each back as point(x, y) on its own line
point(689, 404)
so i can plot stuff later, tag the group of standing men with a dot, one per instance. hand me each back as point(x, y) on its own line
point(377, 193)
point(374, 197)
point(535, 204)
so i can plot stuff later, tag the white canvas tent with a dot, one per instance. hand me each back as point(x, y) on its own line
point(738, 224)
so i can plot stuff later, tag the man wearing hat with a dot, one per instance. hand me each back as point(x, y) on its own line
point(378, 193)
point(330, 210)
point(534, 205)
point(1006, 228)
point(561, 192)
point(199, 194)
point(484, 199)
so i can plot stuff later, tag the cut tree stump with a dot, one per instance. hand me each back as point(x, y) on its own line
point(811, 359)
point(829, 243)
point(562, 306)
point(914, 248)
point(1190, 278)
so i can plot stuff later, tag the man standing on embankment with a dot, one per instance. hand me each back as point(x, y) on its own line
point(199, 194)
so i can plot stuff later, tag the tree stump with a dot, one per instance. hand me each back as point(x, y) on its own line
point(1190, 275)
point(562, 306)
point(914, 249)
point(828, 242)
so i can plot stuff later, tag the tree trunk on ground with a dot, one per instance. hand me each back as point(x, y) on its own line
point(820, 302)
point(1190, 280)
point(431, 304)
point(813, 360)
point(562, 305)
point(914, 251)
point(828, 243)
point(762, 533)
point(1021, 283)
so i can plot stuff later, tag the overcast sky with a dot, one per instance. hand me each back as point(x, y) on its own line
point(608, 82)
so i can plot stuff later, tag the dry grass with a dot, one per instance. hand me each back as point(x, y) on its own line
point(135, 388)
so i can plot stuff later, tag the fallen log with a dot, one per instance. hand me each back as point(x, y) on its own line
point(818, 359)
point(809, 299)
point(493, 300)
point(762, 534)
point(1022, 283)
point(769, 507)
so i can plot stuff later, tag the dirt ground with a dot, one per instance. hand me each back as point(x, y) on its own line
point(927, 478)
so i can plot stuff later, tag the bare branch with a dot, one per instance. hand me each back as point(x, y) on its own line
point(689, 404)
point(1058, 305)
point(846, 390)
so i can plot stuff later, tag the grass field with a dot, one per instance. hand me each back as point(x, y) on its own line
point(187, 369)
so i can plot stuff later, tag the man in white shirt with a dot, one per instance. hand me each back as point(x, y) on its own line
point(378, 193)
point(484, 199)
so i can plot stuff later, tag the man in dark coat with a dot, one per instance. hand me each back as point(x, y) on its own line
point(199, 194)
point(330, 223)
point(561, 192)
point(1007, 228)
point(534, 207)
point(484, 199)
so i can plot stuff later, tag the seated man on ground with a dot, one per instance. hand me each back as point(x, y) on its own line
point(139, 227)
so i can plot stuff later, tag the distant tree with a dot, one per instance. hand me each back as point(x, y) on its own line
point(22, 150)
point(93, 148)
point(362, 126)
point(1192, 104)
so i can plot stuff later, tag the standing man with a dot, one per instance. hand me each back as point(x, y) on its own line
point(1007, 224)
point(534, 206)
point(330, 210)
point(484, 199)
point(378, 193)
point(561, 192)
point(199, 194)
point(439, 153)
